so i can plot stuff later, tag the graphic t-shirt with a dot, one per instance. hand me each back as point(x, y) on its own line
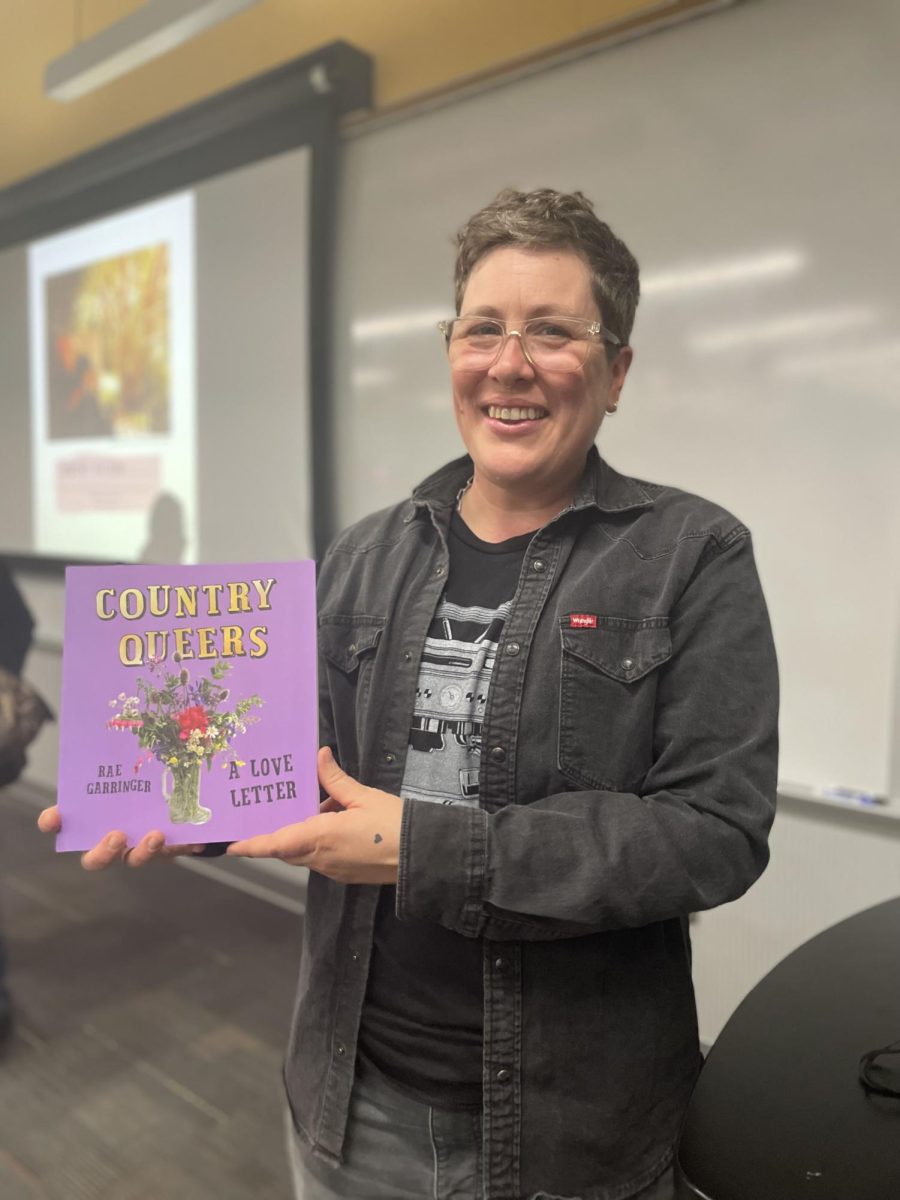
point(422, 1022)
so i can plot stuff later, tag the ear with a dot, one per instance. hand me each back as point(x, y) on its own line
point(618, 369)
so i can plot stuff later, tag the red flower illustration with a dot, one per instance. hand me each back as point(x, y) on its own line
point(190, 719)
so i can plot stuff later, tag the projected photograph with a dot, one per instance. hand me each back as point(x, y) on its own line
point(107, 347)
point(113, 384)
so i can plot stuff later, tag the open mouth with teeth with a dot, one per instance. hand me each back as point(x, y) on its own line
point(498, 413)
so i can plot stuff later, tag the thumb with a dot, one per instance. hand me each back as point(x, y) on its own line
point(336, 782)
point(49, 820)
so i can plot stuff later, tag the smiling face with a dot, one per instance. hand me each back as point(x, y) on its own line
point(537, 450)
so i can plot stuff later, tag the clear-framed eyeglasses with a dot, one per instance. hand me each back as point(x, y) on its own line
point(549, 343)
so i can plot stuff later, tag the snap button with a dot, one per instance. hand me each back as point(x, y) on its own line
point(539, 565)
point(341, 1049)
point(407, 657)
point(627, 664)
point(390, 758)
point(352, 647)
point(502, 1075)
point(500, 964)
point(512, 649)
point(354, 956)
point(498, 754)
point(439, 570)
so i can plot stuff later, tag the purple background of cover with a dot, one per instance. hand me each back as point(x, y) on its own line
point(285, 678)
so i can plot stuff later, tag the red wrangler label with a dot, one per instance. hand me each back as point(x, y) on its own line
point(583, 620)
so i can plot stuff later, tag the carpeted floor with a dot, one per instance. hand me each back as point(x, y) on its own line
point(152, 1008)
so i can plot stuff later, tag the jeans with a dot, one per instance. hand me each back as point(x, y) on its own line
point(400, 1149)
point(396, 1149)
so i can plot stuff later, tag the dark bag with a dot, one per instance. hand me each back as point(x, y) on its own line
point(22, 713)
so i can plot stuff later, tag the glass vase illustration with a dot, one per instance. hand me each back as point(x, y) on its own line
point(183, 795)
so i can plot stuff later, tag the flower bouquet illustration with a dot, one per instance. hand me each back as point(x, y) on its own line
point(182, 724)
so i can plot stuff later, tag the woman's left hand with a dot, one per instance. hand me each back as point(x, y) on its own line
point(355, 838)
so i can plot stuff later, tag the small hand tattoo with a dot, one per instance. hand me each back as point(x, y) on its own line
point(378, 838)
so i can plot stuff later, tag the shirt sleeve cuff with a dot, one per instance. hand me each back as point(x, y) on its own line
point(442, 870)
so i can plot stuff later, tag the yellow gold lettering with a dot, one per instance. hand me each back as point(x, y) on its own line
point(239, 597)
point(131, 650)
point(158, 643)
point(207, 636)
point(131, 603)
point(212, 596)
point(257, 637)
point(186, 601)
point(262, 590)
point(232, 641)
point(101, 604)
point(182, 643)
point(158, 607)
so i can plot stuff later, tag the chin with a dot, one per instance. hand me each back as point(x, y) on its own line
point(499, 463)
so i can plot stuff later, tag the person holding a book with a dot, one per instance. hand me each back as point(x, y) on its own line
point(548, 701)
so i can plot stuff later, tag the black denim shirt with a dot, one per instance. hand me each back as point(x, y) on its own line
point(627, 780)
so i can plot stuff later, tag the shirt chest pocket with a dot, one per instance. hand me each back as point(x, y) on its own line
point(348, 647)
point(607, 697)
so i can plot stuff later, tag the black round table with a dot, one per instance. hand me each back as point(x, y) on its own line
point(778, 1112)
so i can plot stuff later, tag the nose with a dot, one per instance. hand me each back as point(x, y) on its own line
point(512, 362)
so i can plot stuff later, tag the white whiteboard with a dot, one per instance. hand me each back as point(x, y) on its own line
point(750, 160)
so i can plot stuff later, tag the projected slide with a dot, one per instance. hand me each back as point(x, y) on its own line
point(113, 406)
point(154, 391)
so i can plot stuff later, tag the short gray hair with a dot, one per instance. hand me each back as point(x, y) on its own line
point(547, 219)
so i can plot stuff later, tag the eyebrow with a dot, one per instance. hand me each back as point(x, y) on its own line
point(540, 310)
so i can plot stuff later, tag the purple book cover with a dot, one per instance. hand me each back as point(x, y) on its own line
point(189, 701)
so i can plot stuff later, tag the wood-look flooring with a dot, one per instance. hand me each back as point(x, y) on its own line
point(152, 1008)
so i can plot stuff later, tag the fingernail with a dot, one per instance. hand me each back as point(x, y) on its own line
point(154, 844)
point(115, 842)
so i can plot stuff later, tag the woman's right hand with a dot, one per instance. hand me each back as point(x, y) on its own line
point(114, 847)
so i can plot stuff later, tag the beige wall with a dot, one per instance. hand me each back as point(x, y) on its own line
point(418, 46)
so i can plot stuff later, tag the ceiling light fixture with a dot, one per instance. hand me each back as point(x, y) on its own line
point(157, 27)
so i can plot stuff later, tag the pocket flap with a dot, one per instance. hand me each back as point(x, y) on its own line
point(619, 647)
point(345, 640)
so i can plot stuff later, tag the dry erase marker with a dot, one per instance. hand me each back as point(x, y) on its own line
point(847, 795)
